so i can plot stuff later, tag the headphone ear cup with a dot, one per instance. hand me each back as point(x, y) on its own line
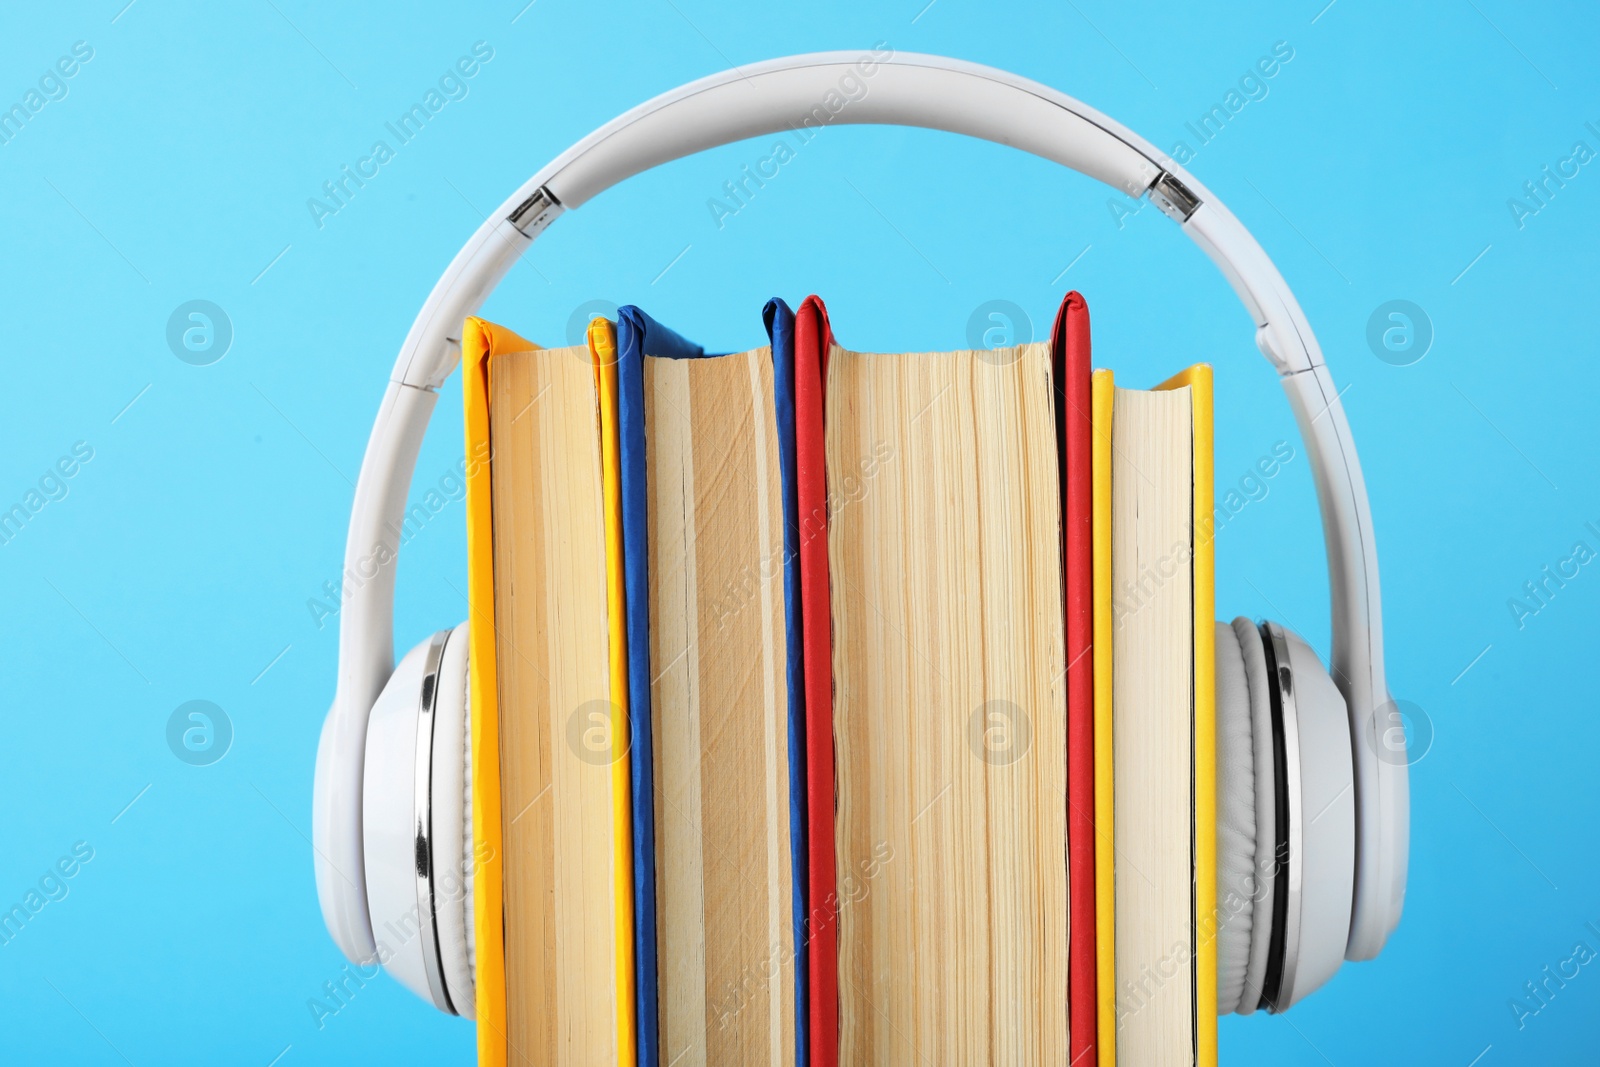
point(452, 825)
point(1323, 833)
point(413, 786)
point(1246, 817)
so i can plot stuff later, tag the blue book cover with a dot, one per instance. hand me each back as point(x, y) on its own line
point(639, 336)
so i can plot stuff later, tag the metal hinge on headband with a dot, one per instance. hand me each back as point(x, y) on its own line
point(536, 212)
point(1173, 198)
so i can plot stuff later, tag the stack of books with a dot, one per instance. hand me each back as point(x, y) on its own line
point(840, 707)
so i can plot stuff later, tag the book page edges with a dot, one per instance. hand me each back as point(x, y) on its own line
point(1198, 379)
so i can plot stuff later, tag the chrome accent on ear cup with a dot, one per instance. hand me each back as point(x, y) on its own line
point(423, 851)
point(1288, 890)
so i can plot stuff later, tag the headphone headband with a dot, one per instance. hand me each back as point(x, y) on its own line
point(881, 88)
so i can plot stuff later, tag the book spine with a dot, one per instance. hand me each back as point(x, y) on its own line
point(1074, 427)
point(812, 340)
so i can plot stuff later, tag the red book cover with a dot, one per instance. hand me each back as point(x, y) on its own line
point(812, 338)
point(1070, 355)
point(1071, 358)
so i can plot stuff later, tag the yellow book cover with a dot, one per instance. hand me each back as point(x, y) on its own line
point(1198, 378)
point(480, 342)
point(603, 351)
point(1102, 388)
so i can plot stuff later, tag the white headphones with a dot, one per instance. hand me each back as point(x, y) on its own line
point(1313, 804)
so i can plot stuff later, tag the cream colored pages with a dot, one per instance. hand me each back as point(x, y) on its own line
point(949, 707)
point(552, 653)
point(724, 874)
point(1152, 577)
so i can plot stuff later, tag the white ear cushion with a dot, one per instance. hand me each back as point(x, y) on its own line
point(1259, 881)
point(1236, 821)
point(452, 831)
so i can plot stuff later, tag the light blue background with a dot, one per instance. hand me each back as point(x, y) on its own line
point(181, 560)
